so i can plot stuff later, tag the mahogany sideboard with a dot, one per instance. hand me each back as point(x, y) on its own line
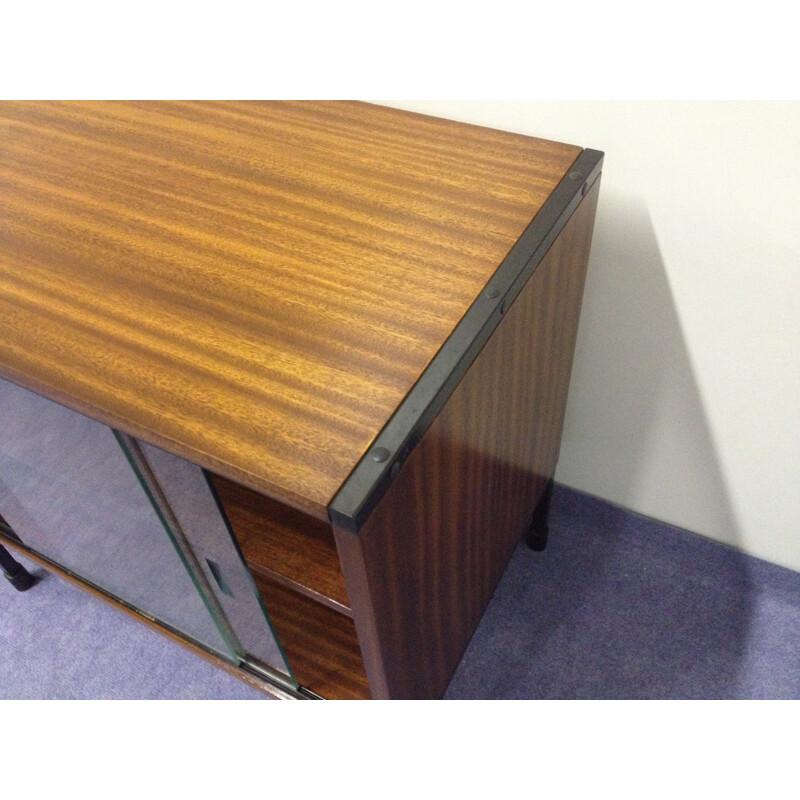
point(286, 380)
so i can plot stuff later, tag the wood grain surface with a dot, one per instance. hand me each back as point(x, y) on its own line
point(253, 286)
point(425, 564)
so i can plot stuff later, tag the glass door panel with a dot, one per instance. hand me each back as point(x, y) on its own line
point(70, 495)
point(185, 496)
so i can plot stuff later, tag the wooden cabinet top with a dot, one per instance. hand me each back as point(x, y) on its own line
point(253, 285)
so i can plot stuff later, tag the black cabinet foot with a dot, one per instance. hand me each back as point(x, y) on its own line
point(14, 572)
point(538, 530)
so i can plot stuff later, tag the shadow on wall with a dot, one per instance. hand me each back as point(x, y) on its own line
point(636, 432)
point(620, 607)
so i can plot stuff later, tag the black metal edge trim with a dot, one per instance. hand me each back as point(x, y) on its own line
point(275, 685)
point(367, 483)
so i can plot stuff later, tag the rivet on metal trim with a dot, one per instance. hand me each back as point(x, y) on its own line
point(380, 454)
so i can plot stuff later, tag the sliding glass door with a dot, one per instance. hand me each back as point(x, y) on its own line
point(134, 521)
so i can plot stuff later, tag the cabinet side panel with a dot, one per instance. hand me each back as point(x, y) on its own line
point(426, 562)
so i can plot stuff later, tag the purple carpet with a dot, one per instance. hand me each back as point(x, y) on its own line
point(618, 606)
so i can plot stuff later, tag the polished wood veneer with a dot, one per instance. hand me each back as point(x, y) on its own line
point(434, 549)
point(273, 291)
point(254, 286)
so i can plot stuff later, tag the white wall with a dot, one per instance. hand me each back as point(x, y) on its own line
point(685, 395)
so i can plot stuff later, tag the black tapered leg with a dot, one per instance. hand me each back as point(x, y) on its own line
point(538, 530)
point(15, 573)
